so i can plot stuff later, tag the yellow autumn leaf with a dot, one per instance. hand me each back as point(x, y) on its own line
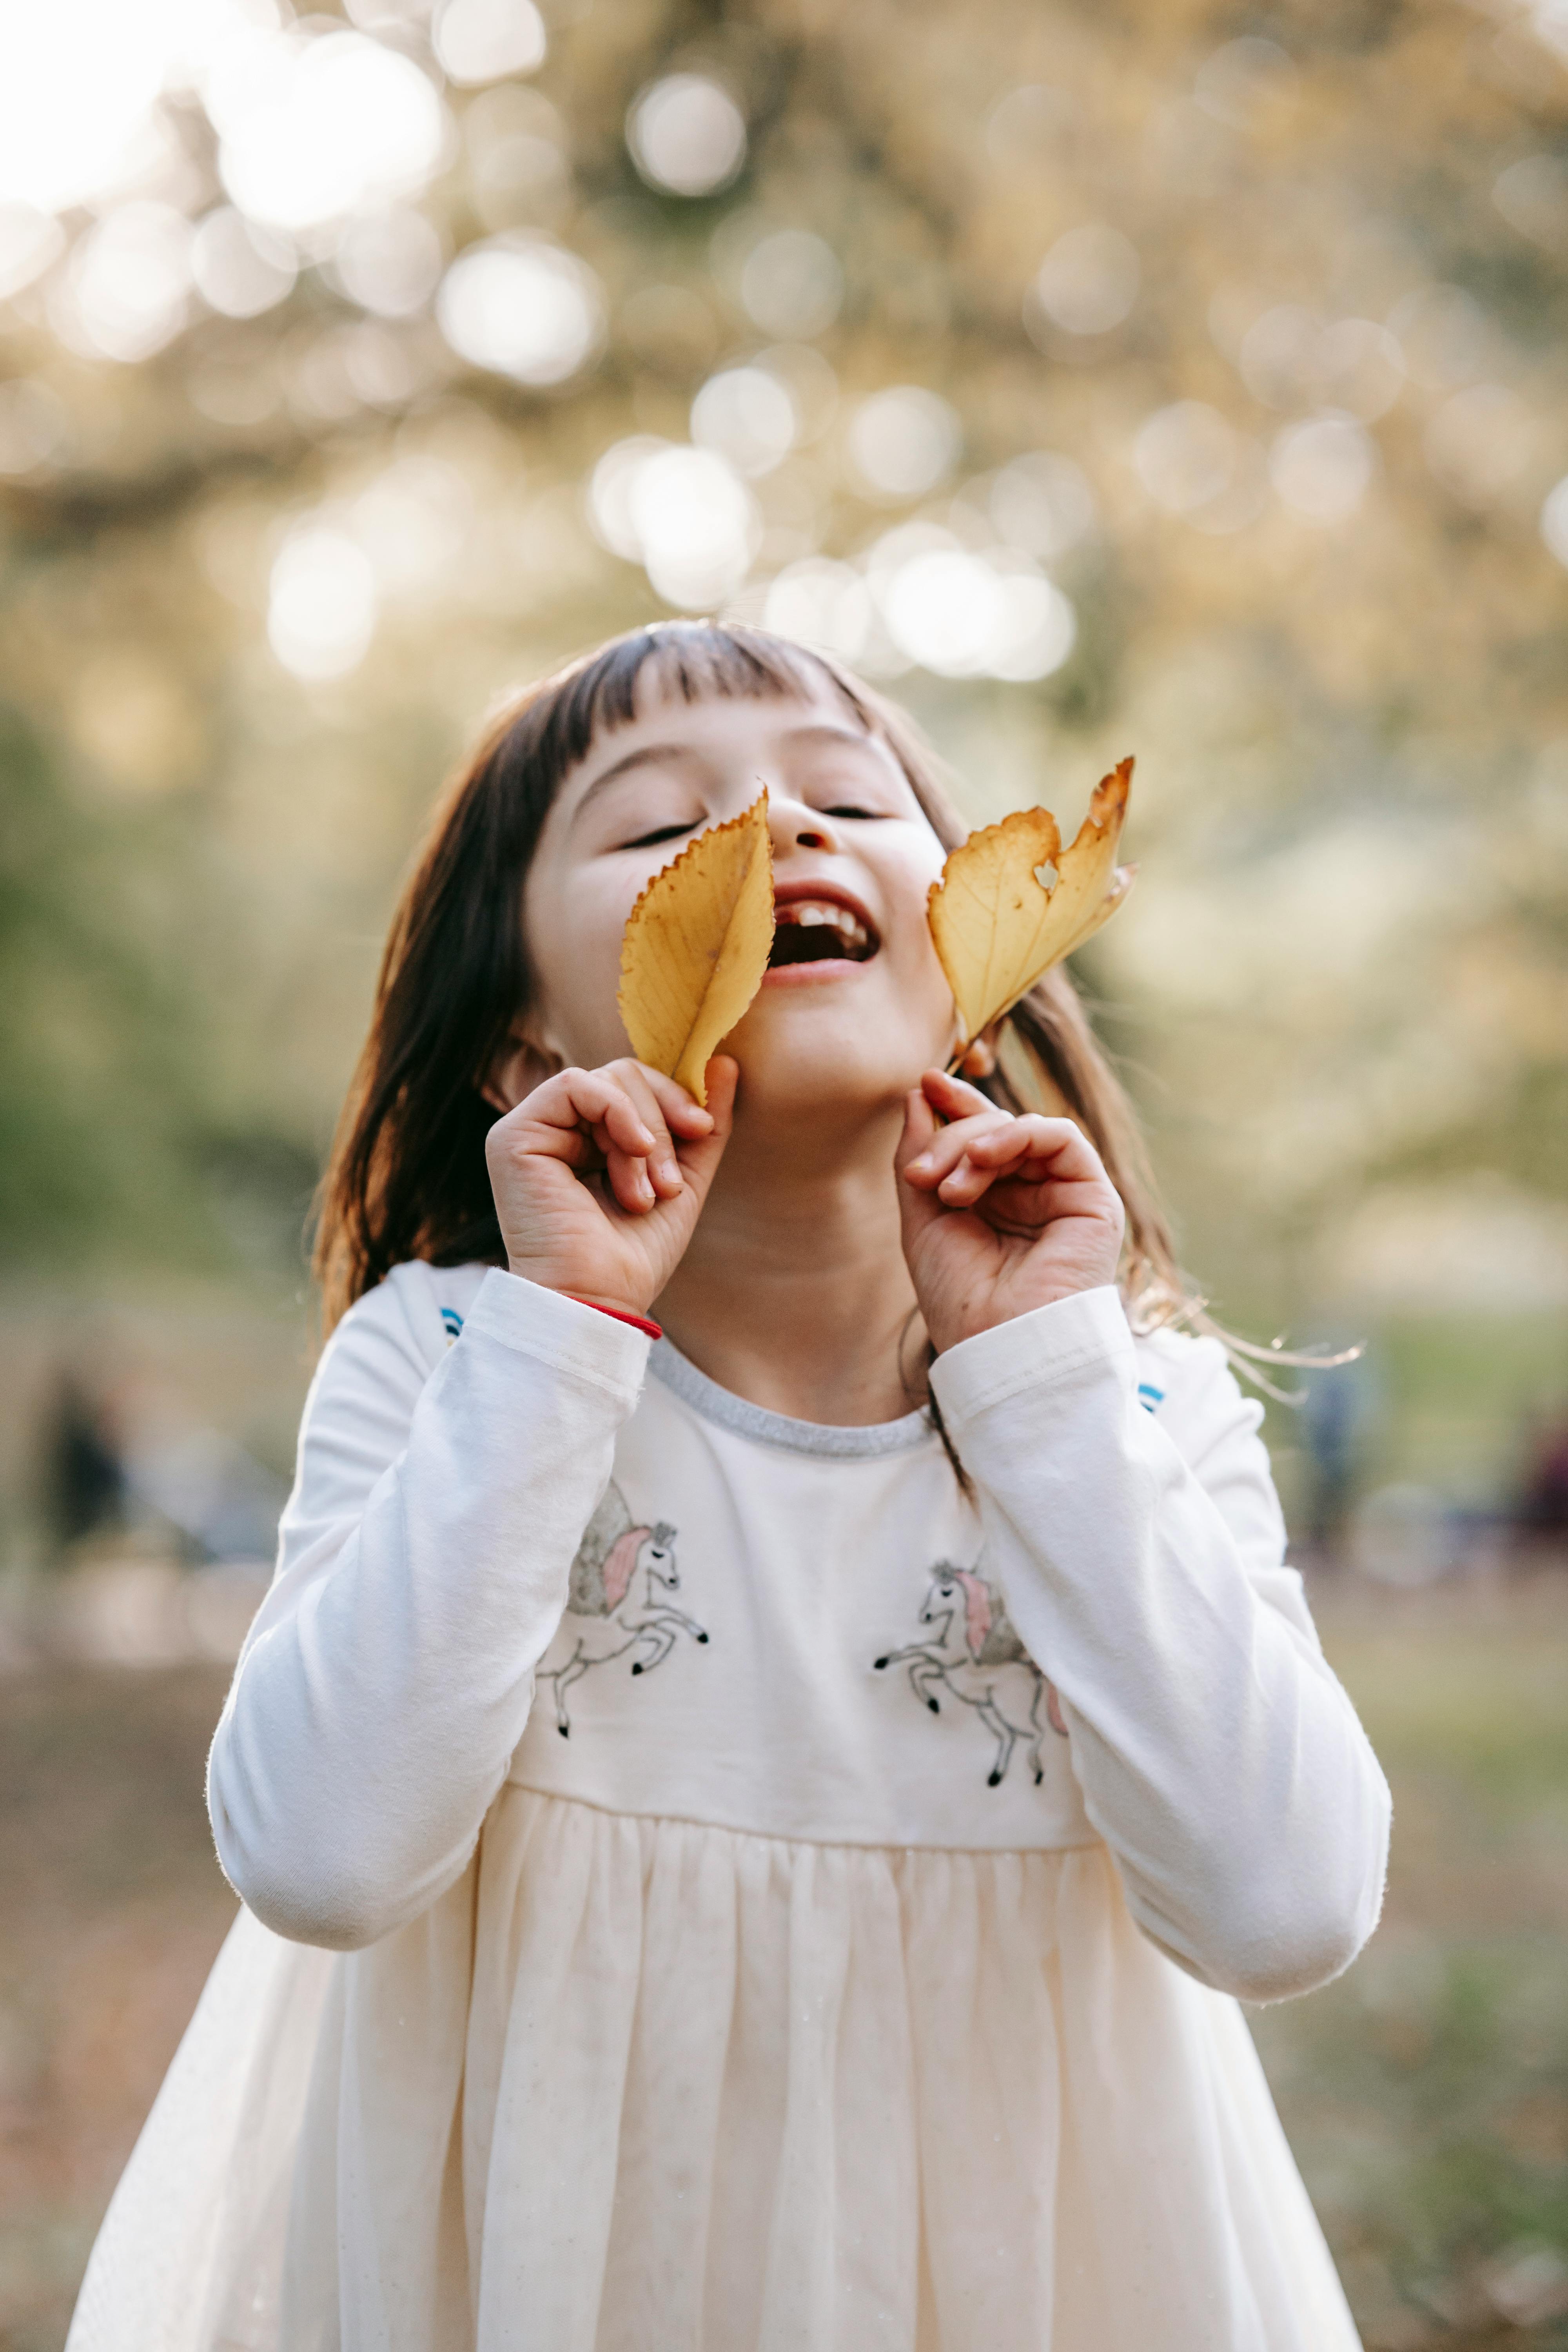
point(1011, 901)
point(696, 947)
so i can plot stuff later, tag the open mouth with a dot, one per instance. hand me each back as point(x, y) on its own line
point(815, 930)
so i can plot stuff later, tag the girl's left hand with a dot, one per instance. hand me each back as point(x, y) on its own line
point(1000, 1215)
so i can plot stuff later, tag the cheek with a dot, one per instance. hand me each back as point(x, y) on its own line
point(913, 949)
point(574, 933)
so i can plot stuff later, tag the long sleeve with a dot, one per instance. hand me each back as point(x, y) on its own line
point(423, 1569)
point(1217, 1754)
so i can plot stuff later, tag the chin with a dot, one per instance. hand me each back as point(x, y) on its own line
point(800, 1049)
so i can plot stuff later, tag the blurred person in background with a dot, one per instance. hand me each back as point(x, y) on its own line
point(83, 1473)
point(752, 1830)
point(1541, 1504)
point(1336, 1412)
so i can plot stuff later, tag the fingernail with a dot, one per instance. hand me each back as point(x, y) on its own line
point(922, 1164)
point(670, 1169)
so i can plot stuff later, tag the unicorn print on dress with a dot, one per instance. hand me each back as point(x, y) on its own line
point(617, 1601)
point(973, 1653)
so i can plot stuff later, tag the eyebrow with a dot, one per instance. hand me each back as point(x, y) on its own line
point(652, 755)
point(656, 754)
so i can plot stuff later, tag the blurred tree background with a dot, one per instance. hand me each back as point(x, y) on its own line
point(1180, 380)
point(1184, 379)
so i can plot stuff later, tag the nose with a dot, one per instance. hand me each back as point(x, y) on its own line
point(791, 826)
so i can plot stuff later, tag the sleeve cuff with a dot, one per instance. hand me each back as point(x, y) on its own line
point(1043, 1350)
point(560, 1332)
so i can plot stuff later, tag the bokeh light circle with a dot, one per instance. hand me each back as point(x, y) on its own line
point(1089, 281)
point(748, 417)
point(1322, 467)
point(481, 41)
point(390, 262)
point(696, 525)
point(1185, 455)
point(521, 307)
point(128, 283)
point(1042, 503)
point(1478, 442)
point(313, 126)
point(903, 442)
point(321, 603)
point(683, 513)
point(686, 135)
point(821, 602)
point(29, 241)
point(79, 78)
point(792, 285)
point(240, 269)
point(960, 616)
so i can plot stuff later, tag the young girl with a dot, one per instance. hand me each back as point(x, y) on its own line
point(741, 1850)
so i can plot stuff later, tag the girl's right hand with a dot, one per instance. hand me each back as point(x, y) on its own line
point(599, 1177)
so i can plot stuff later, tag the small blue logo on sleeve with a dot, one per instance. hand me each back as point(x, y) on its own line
point(1149, 1397)
point(452, 1322)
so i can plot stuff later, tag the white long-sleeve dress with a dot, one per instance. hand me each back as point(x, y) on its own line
point(711, 1885)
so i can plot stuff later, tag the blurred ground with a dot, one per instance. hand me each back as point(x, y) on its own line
point(1427, 2094)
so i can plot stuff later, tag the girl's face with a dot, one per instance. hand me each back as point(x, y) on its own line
point(855, 1005)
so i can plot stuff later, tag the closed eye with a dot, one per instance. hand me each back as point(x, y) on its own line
point(651, 840)
point(849, 808)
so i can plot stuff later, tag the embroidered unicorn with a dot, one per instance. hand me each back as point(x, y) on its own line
point(974, 1653)
point(617, 1601)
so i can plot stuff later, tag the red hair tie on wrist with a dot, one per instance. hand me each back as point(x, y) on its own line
point(638, 1322)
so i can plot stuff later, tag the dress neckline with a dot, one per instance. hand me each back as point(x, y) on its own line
point(867, 1443)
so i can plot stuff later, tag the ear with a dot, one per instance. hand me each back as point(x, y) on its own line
point(522, 1063)
point(980, 1059)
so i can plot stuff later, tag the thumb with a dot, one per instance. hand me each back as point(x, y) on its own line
point(917, 1211)
point(700, 1159)
point(920, 1125)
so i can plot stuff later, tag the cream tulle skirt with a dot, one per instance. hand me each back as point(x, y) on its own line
point(648, 2086)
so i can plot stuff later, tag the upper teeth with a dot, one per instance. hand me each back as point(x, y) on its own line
point(807, 911)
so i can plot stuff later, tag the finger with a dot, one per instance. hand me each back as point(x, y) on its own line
point(681, 1114)
point(723, 1080)
point(965, 1184)
point(920, 1126)
point(917, 1208)
point(700, 1157)
point(590, 1098)
point(1058, 1144)
point(969, 1158)
point(925, 1155)
point(1030, 1156)
point(627, 1174)
point(952, 1097)
point(1043, 1203)
point(588, 1118)
point(541, 1140)
point(622, 1126)
point(663, 1167)
point(948, 1146)
point(550, 1124)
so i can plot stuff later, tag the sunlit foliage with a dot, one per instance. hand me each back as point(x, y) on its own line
point(1165, 380)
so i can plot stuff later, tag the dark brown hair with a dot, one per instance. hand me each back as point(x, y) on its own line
point(407, 1176)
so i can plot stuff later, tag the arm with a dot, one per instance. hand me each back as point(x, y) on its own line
point(1218, 1756)
point(427, 1547)
point(424, 1562)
